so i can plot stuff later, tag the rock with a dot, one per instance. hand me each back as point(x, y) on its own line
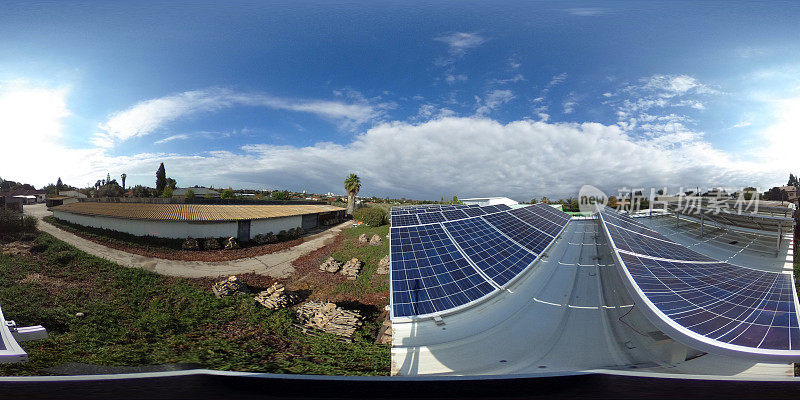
point(383, 266)
point(375, 240)
point(211, 244)
point(80, 314)
point(362, 239)
point(351, 268)
point(229, 287)
point(330, 265)
point(231, 244)
point(275, 297)
point(329, 318)
point(190, 244)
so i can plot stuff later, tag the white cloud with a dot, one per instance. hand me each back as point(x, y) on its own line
point(453, 78)
point(518, 159)
point(557, 79)
point(514, 79)
point(459, 42)
point(569, 107)
point(181, 136)
point(586, 11)
point(147, 116)
point(675, 85)
point(742, 124)
point(492, 101)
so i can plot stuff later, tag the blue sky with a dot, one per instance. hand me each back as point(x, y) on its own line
point(420, 99)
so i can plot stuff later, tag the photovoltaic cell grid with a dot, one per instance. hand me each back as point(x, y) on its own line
point(497, 256)
point(404, 220)
point(492, 256)
point(429, 218)
point(727, 303)
point(559, 215)
point(625, 221)
point(641, 244)
point(537, 219)
point(429, 208)
point(454, 214)
point(524, 234)
point(429, 274)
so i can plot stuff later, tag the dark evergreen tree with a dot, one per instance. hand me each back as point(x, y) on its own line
point(161, 179)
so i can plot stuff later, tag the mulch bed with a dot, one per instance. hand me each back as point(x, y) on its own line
point(191, 255)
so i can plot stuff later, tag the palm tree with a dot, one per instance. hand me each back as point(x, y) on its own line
point(123, 176)
point(352, 184)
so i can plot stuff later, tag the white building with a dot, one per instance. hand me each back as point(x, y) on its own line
point(179, 221)
point(489, 201)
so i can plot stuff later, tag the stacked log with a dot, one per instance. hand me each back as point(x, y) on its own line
point(329, 318)
point(330, 265)
point(383, 266)
point(351, 268)
point(275, 297)
point(229, 287)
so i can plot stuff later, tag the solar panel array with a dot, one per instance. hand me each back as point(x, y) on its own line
point(726, 305)
point(445, 260)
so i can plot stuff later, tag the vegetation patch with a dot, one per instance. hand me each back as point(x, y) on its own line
point(369, 288)
point(132, 317)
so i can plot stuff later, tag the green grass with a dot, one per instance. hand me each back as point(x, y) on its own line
point(135, 317)
point(367, 282)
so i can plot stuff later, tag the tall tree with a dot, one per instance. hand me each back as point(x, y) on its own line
point(161, 179)
point(123, 176)
point(59, 184)
point(352, 184)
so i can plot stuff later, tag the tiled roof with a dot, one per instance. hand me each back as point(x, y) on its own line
point(191, 212)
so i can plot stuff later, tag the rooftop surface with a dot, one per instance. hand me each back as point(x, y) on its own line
point(572, 312)
point(192, 212)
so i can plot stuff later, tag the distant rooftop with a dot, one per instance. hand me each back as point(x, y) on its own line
point(191, 212)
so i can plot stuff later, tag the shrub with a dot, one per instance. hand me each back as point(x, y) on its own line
point(227, 194)
point(29, 223)
point(283, 236)
point(190, 194)
point(372, 216)
point(13, 222)
point(211, 244)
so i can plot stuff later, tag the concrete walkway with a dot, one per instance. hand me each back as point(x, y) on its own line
point(276, 265)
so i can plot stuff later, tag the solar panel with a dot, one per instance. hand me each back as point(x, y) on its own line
point(626, 222)
point(490, 209)
point(474, 211)
point(430, 217)
point(496, 256)
point(429, 274)
point(404, 220)
point(454, 214)
point(720, 301)
point(651, 246)
point(531, 238)
point(502, 207)
point(536, 220)
point(542, 212)
point(560, 215)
